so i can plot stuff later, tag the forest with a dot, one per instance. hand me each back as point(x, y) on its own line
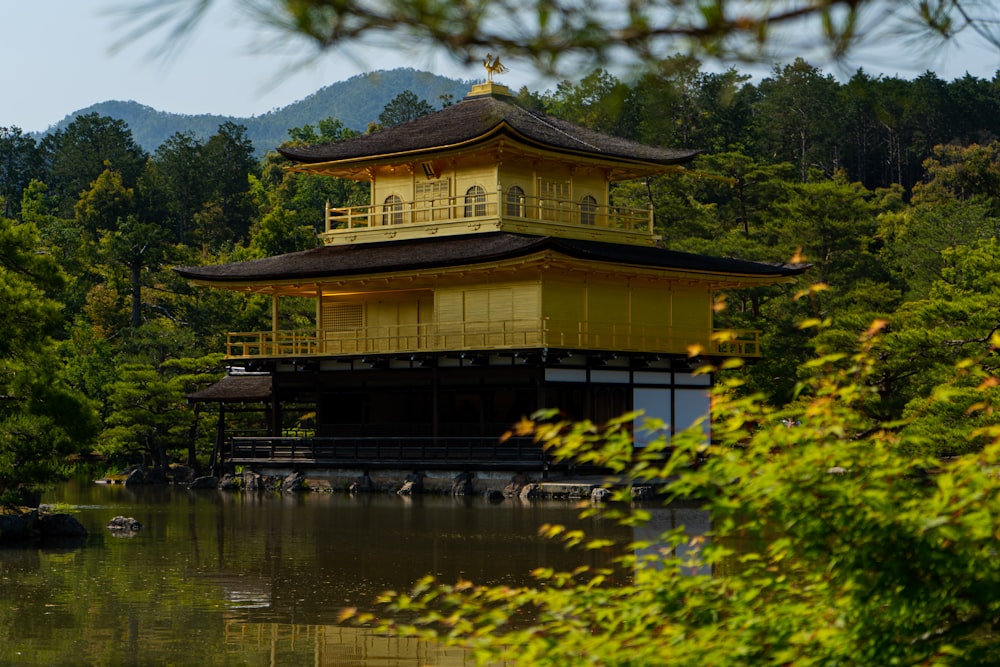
point(887, 187)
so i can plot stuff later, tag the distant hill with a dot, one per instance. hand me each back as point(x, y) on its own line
point(355, 102)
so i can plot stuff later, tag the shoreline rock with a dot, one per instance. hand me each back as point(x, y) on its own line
point(38, 524)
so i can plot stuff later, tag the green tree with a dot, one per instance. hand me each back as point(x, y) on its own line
point(325, 131)
point(403, 108)
point(185, 179)
point(956, 205)
point(928, 115)
point(682, 106)
point(137, 246)
point(281, 193)
point(226, 214)
point(862, 145)
point(833, 223)
point(744, 193)
point(147, 417)
point(108, 211)
point(960, 172)
point(278, 233)
point(917, 236)
point(19, 164)
point(41, 418)
point(599, 101)
point(104, 204)
point(76, 156)
point(149, 420)
point(799, 118)
point(975, 109)
point(927, 337)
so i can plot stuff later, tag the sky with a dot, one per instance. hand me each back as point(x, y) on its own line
point(58, 56)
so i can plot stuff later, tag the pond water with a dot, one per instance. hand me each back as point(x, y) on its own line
point(223, 578)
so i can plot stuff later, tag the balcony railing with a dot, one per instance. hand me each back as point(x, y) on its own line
point(388, 451)
point(511, 334)
point(491, 209)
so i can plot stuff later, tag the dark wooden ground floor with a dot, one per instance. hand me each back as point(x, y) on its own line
point(445, 411)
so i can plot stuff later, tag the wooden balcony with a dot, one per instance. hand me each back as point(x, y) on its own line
point(479, 336)
point(485, 213)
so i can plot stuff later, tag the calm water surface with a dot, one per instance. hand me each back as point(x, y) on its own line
point(220, 578)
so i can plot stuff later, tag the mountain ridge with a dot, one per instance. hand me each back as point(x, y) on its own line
point(355, 102)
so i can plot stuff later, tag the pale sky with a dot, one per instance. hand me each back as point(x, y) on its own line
point(56, 57)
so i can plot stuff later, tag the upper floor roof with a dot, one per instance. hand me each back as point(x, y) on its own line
point(480, 118)
point(420, 255)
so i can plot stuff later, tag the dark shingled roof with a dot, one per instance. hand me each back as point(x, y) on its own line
point(430, 253)
point(478, 118)
point(235, 389)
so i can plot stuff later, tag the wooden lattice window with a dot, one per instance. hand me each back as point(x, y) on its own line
point(392, 210)
point(588, 210)
point(555, 190)
point(515, 201)
point(430, 200)
point(554, 202)
point(342, 316)
point(475, 202)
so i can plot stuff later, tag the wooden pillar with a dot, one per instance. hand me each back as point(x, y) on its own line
point(274, 426)
point(273, 347)
point(435, 404)
point(220, 437)
point(320, 343)
point(541, 403)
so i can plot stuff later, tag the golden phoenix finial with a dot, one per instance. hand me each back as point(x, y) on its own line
point(493, 66)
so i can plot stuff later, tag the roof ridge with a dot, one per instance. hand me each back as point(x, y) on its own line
point(544, 118)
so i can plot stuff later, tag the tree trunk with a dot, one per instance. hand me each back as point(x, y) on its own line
point(136, 269)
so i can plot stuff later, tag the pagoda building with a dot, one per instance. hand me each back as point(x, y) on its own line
point(490, 275)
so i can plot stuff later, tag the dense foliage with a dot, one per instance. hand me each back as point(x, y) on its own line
point(42, 417)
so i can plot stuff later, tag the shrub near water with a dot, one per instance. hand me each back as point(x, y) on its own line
point(850, 551)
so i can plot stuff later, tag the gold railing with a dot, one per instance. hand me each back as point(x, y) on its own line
point(512, 334)
point(490, 206)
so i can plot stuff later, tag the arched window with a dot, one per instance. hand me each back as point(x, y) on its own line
point(515, 201)
point(392, 210)
point(588, 210)
point(475, 202)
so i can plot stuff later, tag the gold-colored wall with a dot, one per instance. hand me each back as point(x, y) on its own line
point(390, 320)
point(397, 182)
point(461, 175)
point(593, 312)
point(497, 315)
point(483, 175)
point(527, 174)
point(612, 314)
point(483, 171)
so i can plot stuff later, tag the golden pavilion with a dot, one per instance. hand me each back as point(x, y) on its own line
point(490, 275)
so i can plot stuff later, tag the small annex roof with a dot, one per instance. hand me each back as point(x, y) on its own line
point(480, 118)
point(249, 388)
point(434, 253)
